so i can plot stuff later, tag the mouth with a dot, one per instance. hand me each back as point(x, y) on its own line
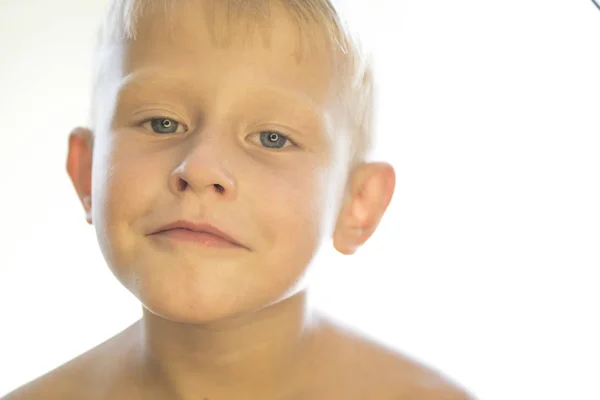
point(201, 234)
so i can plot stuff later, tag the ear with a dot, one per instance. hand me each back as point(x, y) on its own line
point(369, 194)
point(79, 167)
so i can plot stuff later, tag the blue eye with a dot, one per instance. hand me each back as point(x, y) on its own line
point(163, 126)
point(273, 140)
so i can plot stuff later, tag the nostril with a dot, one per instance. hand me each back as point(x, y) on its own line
point(220, 189)
point(182, 185)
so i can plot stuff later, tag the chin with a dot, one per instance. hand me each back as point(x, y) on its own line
point(184, 290)
point(192, 313)
point(200, 304)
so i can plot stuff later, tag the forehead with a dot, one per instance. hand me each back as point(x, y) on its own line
point(211, 50)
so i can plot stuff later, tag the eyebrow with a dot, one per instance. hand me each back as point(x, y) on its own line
point(147, 80)
point(172, 80)
point(275, 96)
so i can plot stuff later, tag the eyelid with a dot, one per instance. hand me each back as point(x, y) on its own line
point(148, 119)
point(145, 114)
point(180, 124)
point(289, 133)
point(159, 116)
point(290, 138)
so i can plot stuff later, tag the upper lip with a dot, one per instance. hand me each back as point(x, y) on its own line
point(197, 227)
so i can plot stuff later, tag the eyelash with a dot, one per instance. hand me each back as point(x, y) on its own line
point(286, 137)
point(270, 131)
point(177, 123)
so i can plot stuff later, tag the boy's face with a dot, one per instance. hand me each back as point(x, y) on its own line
point(241, 138)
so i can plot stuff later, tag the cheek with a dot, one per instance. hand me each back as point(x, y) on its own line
point(292, 206)
point(124, 185)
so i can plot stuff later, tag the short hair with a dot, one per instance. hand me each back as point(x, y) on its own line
point(357, 86)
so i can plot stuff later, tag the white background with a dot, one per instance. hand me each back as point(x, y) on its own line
point(486, 265)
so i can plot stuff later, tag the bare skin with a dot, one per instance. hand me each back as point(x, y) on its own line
point(226, 324)
point(335, 363)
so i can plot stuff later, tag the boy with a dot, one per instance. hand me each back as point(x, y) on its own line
point(228, 140)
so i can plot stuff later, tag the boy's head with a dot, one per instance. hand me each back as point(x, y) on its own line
point(253, 116)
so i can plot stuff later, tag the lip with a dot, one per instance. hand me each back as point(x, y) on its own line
point(201, 232)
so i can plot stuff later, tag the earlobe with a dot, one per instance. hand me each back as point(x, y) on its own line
point(370, 193)
point(87, 206)
point(79, 166)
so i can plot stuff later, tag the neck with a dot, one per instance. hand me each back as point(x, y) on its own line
point(255, 352)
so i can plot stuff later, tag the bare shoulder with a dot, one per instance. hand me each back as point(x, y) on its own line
point(376, 371)
point(58, 383)
point(86, 376)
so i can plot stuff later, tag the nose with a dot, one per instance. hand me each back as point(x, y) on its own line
point(203, 170)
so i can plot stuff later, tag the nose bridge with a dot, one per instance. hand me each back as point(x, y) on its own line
point(204, 146)
point(205, 164)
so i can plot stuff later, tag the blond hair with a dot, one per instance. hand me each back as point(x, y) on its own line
point(357, 92)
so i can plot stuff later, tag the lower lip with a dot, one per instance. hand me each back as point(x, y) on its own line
point(201, 238)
